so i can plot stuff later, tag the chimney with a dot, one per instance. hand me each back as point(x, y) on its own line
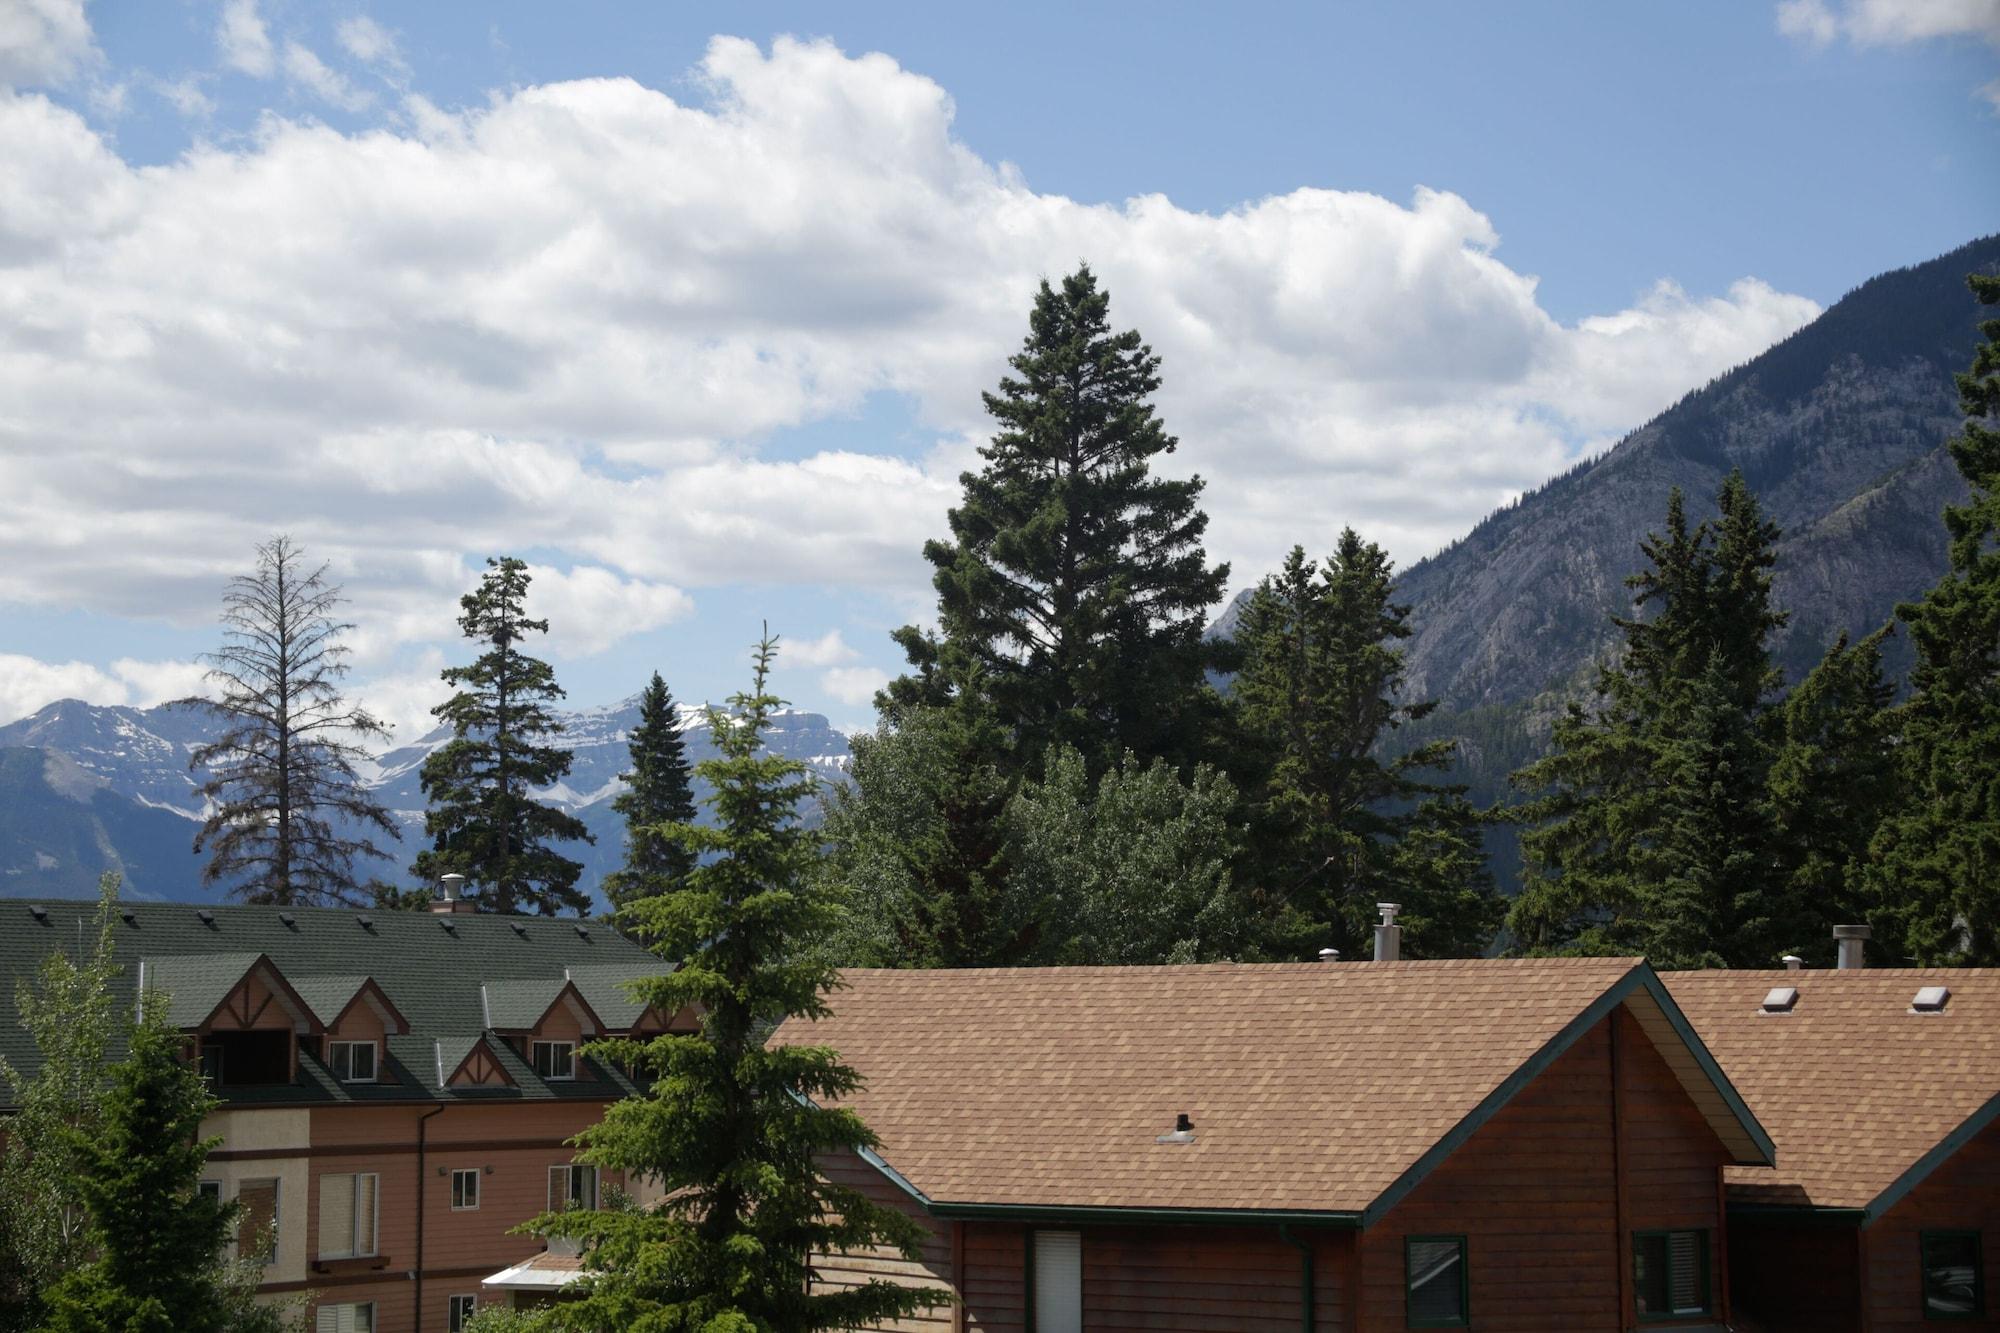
point(1850, 939)
point(1388, 935)
point(1793, 962)
point(451, 896)
point(1329, 955)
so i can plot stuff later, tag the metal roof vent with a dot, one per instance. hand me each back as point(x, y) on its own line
point(1183, 1131)
point(130, 917)
point(1930, 1000)
point(1780, 999)
point(207, 917)
point(583, 930)
point(1792, 962)
point(1388, 935)
point(1851, 939)
point(39, 912)
point(291, 922)
point(1329, 955)
point(519, 929)
point(450, 926)
point(365, 921)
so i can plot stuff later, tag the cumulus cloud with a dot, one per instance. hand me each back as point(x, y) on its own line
point(28, 683)
point(243, 40)
point(308, 71)
point(43, 42)
point(589, 608)
point(566, 320)
point(853, 686)
point(829, 649)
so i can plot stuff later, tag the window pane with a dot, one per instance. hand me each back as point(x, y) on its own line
point(1058, 1282)
point(1437, 1280)
point(364, 1214)
point(465, 1188)
point(336, 1216)
point(1649, 1260)
point(1951, 1273)
point(256, 1229)
point(364, 1062)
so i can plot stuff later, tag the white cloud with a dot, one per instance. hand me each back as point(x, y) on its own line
point(43, 42)
point(853, 686)
point(368, 41)
point(185, 95)
point(829, 649)
point(304, 68)
point(244, 41)
point(1893, 23)
point(27, 684)
point(1808, 20)
point(563, 322)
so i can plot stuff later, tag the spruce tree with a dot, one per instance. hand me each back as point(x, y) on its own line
point(658, 794)
point(1340, 818)
point(287, 813)
point(1934, 877)
point(157, 1262)
point(1071, 597)
point(484, 820)
point(734, 1130)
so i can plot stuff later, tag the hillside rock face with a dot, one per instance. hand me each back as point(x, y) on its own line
point(85, 789)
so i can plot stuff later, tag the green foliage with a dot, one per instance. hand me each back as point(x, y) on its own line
point(1653, 829)
point(43, 1218)
point(1338, 820)
point(483, 822)
point(658, 795)
point(1134, 868)
point(732, 1129)
point(1935, 875)
point(1072, 593)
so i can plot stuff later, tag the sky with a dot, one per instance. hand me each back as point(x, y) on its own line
point(691, 306)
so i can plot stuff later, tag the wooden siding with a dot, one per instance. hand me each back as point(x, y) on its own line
point(1963, 1194)
point(932, 1271)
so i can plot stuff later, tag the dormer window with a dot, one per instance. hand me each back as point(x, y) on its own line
point(554, 1059)
point(351, 1061)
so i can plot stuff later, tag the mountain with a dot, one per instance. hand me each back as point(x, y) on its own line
point(84, 789)
point(1840, 429)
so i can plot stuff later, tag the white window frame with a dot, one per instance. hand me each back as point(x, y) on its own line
point(328, 1317)
point(572, 1197)
point(535, 1059)
point(353, 1184)
point(458, 1311)
point(458, 1193)
point(209, 1189)
point(334, 1049)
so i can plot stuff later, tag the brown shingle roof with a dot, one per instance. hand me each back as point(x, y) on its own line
point(1856, 1090)
point(1313, 1087)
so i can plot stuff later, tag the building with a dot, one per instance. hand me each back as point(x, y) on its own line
point(398, 1087)
point(1881, 1091)
point(1486, 1144)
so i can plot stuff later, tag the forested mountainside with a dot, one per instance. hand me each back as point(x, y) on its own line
point(85, 789)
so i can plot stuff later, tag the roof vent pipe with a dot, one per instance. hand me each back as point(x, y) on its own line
point(1851, 939)
point(1388, 935)
point(1329, 955)
point(1793, 962)
point(451, 895)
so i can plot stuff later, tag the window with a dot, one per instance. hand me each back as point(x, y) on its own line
point(465, 1189)
point(351, 1061)
point(1954, 1280)
point(572, 1187)
point(1670, 1270)
point(257, 1224)
point(1055, 1277)
point(346, 1319)
point(209, 1189)
point(459, 1311)
point(1435, 1282)
point(555, 1059)
point(347, 1216)
point(211, 1062)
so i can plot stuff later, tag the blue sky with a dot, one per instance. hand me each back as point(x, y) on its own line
point(417, 283)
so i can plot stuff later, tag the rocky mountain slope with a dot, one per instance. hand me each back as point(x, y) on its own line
point(84, 789)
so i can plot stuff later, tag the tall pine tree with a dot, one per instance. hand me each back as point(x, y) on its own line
point(484, 820)
point(658, 794)
point(1935, 871)
point(287, 813)
point(734, 1130)
point(1071, 597)
point(1340, 817)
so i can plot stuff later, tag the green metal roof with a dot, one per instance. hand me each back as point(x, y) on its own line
point(432, 975)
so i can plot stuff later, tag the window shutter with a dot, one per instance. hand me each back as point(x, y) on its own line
point(558, 1188)
point(364, 1214)
point(1058, 1282)
point(336, 1217)
point(1688, 1293)
point(260, 1210)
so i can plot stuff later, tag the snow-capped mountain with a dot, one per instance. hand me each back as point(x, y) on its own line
point(84, 789)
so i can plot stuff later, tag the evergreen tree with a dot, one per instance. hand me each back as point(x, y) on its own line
point(1072, 595)
point(1339, 819)
point(43, 1220)
point(1935, 871)
point(483, 819)
point(285, 802)
point(733, 1130)
point(157, 1261)
point(1833, 780)
point(1652, 826)
point(658, 795)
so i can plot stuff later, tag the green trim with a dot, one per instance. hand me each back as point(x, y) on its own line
point(1059, 1215)
point(1641, 977)
point(1968, 1129)
point(1707, 1273)
point(1464, 1319)
point(1308, 1311)
point(1924, 1239)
